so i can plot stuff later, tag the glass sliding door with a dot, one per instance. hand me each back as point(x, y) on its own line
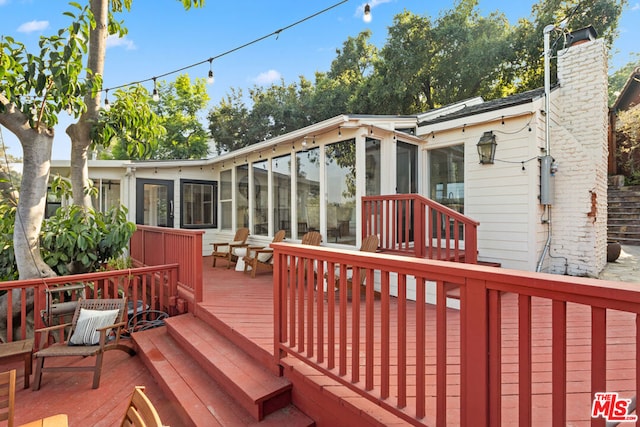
point(154, 202)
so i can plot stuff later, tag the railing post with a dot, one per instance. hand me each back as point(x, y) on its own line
point(474, 360)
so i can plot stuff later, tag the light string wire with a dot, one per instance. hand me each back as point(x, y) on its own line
point(235, 49)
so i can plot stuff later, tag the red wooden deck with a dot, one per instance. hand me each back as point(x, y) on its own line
point(246, 306)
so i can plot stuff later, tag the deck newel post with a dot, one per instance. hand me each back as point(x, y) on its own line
point(474, 368)
point(278, 323)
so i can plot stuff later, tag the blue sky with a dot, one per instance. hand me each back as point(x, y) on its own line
point(164, 37)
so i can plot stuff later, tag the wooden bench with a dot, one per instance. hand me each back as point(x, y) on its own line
point(19, 350)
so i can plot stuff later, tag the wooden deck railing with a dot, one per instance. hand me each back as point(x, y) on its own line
point(161, 245)
point(146, 287)
point(413, 225)
point(510, 339)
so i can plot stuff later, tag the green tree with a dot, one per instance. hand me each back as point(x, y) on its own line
point(33, 90)
point(528, 49)
point(133, 135)
point(619, 78)
point(228, 122)
point(81, 132)
point(177, 132)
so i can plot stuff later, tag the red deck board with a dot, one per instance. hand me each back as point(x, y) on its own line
point(246, 306)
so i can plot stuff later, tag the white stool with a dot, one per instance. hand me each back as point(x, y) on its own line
point(240, 253)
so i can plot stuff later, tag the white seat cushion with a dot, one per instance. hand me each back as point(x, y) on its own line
point(88, 321)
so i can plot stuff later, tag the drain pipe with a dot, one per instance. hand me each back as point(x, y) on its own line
point(547, 160)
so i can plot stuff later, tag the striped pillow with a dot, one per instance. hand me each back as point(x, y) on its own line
point(88, 321)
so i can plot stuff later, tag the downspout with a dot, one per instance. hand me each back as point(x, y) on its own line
point(547, 127)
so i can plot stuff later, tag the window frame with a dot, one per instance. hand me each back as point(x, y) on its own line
point(214, 203)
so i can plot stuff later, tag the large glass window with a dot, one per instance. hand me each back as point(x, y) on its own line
point(406, 168)
point(372, 167)
point(226, 202)
point(281, 177)
point(260, 198)
point(198, 204)
point(108, 195)
point(341, 191)
point(308, 190)
point(446, 176)
point(242, 196)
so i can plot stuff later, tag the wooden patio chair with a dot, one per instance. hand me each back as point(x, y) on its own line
point(260, 255)
point(7, 396)
point(88, 333)
point(369, 244)
point(226, 250)
point(140, 412)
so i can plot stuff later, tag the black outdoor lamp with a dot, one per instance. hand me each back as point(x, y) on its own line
point(487, 148)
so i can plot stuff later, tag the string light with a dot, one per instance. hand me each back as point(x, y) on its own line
point(210, 78)
point(156, 95)
point(107, 106)
point(367, 13)
point(211, 59)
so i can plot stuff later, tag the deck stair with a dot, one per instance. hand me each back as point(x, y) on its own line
point(213, 381)
point(623, 210)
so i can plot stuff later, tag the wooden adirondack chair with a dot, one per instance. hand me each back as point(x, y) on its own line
point(369, 244)
point(140, 412)
point(226, 250)
point(92, 321)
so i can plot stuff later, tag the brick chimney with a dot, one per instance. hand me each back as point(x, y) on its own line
point(579, 145)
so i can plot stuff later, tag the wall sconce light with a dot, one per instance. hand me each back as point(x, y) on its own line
point(487, 148)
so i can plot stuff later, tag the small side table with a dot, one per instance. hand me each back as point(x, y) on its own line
point(240, 253)
point(17, 350)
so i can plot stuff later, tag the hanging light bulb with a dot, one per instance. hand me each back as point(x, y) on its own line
point(107, 106)
point(210, 78)
point(367, 13)
point(156, 95)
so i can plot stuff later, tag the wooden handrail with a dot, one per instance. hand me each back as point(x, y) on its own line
point(155, 286)
point(351, 342)
point(414, 225)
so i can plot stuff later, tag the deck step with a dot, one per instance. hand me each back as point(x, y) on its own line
point(200, 400)
point(254, 387)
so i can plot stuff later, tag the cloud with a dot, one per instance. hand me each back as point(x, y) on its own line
point(267, 77)
point(635, 7)
point(3, 2)
point(115, 41)
point(33, 26)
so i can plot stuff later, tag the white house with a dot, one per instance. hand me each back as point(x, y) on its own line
point(531, 216)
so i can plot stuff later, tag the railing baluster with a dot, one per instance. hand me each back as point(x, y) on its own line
point(385, 333)
point(495, 359)
point(420, 346)
point(369, 326)
point(598, 355)
point(559, 363)
point(402, 341)
point(524, 360)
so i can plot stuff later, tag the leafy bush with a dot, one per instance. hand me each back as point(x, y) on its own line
point(8, 270)
point(76, 240)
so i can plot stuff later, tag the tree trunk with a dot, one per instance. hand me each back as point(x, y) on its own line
point(31, 205)
point(36, 147)
point(80, 133)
